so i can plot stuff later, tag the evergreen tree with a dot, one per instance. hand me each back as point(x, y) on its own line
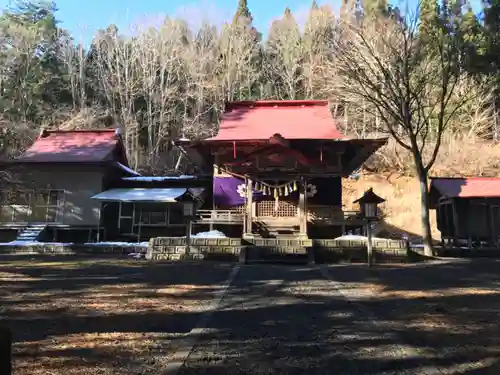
point(242, 13)
point(283, 56)
point(492, 35)
point(32, 72)
point(240, 28)
point(429, 18)
point(374, 8)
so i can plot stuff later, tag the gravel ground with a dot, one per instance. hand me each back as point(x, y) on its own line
point(101, 316)
point(447, 310)
point(292, 320)
point(122, 317)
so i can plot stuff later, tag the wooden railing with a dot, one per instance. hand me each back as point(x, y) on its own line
point(220, 216)
point(329, 213)
point(325, 214)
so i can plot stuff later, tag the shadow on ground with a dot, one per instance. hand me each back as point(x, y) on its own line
point(385, 320)
point(274, 319)
point(79, 315)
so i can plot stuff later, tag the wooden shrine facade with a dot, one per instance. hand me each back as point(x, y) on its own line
point(283, 178)
point(467, 210)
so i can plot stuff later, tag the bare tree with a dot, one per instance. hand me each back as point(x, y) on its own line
point(161, 72)
point(116, 62)
point(411, 82)
point(237, 54)
point(75, 60)
point(202, 60)
point(319, 34)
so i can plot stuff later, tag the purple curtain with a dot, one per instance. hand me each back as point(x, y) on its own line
point(230, 192)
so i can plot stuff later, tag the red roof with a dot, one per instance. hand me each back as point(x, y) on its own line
point(475, 187)
point(82, 146)
point(292, 119)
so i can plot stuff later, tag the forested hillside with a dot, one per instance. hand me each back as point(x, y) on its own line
point(167, 82)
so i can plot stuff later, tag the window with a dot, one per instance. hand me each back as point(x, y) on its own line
point(158, 214)
point(15, 197)
point(15, 206)
point(45, 204)
point(30, 205)
point(152, 214)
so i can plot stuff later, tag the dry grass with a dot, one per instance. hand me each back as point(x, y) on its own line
point(395, 180)
point(458, 156)
point(402, 206)
point(101, 317)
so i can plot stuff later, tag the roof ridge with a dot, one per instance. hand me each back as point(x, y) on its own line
point(277, 103)
point(82, 131)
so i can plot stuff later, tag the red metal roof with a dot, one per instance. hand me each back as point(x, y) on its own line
point(467, 187)
point(82, 146)
point(293, 119)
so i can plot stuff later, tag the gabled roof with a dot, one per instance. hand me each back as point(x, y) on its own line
point(292, 119)
point(76, 146)
point(467, 187)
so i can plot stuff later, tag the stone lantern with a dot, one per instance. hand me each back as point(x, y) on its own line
point(369, 204)
point(188, 209)
point(369, 211)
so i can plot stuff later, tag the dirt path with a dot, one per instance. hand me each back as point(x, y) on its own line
point(292, 320)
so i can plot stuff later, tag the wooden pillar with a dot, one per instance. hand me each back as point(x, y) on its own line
point(303, 208)
point(5, 351)
point(189, 230)
point(248, 208)
point(491, 229)
point(456, 228)
point(468, 222)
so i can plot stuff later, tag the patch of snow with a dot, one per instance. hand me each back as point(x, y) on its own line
point(141, 195)
point(209, 234)
point(97, 244)
point(137, 255)
point(128, 170)
point(158, 178)
point(33, 243)
point(120, 244)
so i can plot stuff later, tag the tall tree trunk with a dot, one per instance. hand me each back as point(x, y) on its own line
point(424, 208)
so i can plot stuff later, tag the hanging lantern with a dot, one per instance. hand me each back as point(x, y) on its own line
point(294, 185)
point(276, 204)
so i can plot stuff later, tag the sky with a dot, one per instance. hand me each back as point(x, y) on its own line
point(83, 18)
